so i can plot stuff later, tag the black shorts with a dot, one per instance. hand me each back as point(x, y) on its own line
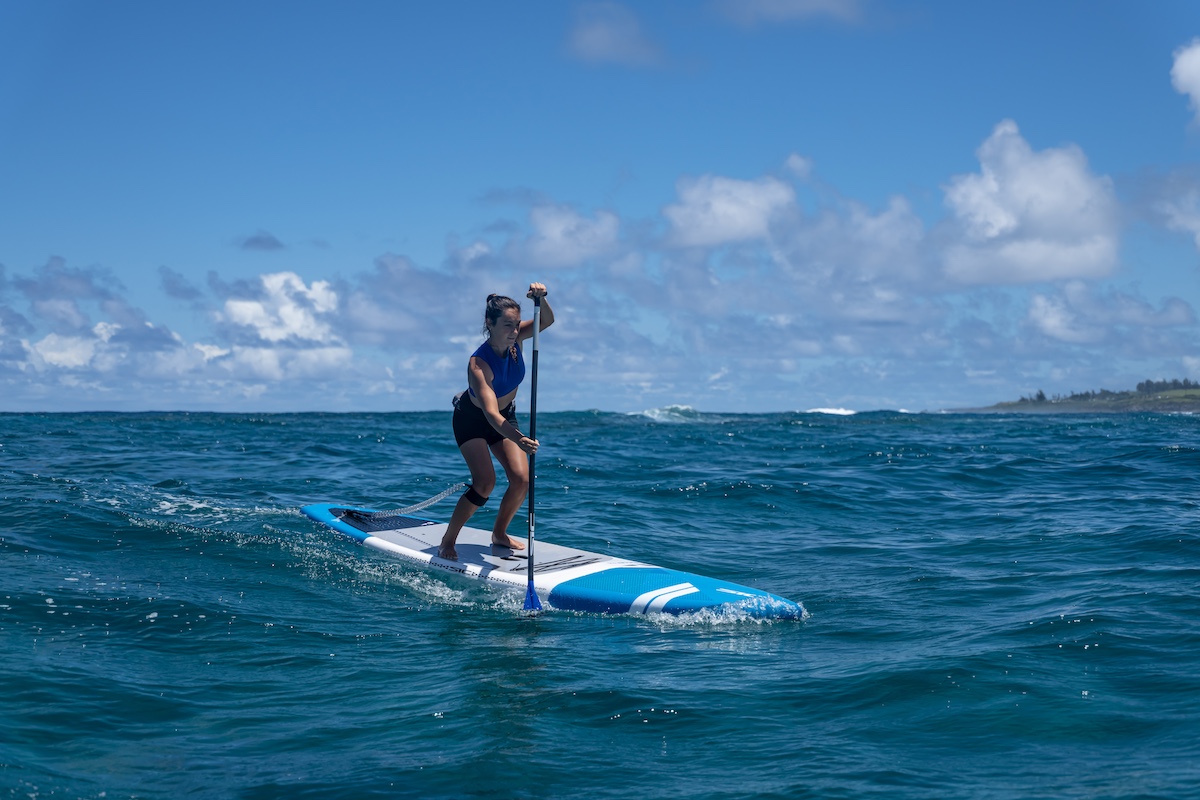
point(470, 423)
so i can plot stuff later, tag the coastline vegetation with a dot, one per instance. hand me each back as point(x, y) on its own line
point(1171, 396)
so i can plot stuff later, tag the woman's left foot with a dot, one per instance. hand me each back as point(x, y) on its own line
point(508, 541)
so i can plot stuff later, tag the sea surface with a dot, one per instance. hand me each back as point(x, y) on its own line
point(997, 607)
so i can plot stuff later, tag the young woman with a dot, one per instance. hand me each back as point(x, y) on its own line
point(485, 419)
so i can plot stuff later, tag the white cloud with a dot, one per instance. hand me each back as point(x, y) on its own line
point(1053, 317)
point(563, 238)
point(608, 33)
point(1030, 216)
point(1185, 74)
point(799, 166)
point(1081, 314)
point(69, 352)
point(210, 351)
point(1183, 214)
point(105, 330)
point(714, 210)
point(61, 312)
point(751, 12)
point(288, 309)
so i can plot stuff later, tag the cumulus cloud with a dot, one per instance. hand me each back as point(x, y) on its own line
point(608, 33)
point(1185, 74)
point(64, 351)
point(714, 210)
point(733, 283)
point(1080, 314)
point(752, 12)
point(1030, 216)
point(403, 306)
point(1182, 213)
point(561, 237)
point(286, 309)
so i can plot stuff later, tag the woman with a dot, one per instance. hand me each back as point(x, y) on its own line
point(485, 418)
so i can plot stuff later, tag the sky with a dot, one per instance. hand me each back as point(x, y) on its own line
point(736, 205)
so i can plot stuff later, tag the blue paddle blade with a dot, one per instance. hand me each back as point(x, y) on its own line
point(532, 603)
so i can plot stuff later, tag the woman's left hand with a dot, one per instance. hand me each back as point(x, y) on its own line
point(536, 290)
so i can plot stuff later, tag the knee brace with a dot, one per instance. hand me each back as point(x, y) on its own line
point(474, 497)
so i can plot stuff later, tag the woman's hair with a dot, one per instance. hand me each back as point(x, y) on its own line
point(497, 304)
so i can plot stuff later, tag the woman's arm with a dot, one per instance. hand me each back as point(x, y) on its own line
point(547, 315)
point(479, 379)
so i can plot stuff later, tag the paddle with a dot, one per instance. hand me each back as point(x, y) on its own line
point(532, 603)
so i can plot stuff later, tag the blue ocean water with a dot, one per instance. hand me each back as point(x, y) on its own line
point(999, 607)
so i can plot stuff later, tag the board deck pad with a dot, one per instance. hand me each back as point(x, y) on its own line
point(565, 578)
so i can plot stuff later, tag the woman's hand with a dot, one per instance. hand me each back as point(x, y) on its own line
point(530, 446)
point(536, 290)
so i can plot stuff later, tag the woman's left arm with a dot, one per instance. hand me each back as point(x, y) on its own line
point(547, 315)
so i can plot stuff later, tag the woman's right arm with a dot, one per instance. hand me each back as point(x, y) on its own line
point(482, 386)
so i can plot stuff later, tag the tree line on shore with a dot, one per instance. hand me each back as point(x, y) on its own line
point(1145, 387)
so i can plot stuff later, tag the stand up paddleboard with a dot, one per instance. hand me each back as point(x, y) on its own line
point(563, 577)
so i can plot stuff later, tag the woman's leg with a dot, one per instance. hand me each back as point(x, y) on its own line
point(483, 481)
point(516, 467)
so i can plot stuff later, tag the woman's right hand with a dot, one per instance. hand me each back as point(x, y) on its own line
point(530, 446)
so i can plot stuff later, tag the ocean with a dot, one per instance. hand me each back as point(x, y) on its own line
point(998, 606)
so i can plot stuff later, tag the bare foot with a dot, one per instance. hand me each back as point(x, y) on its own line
point(508, 541)
point(449, 555)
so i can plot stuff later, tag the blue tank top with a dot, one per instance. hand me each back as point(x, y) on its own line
point(507, 372)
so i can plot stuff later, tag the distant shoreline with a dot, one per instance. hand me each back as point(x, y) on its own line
point(1171, 401)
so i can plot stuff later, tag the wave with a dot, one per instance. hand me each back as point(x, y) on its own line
point(671, 413)
point(841, 412)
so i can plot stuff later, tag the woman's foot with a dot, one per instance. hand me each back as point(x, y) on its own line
point(446, 550)
point(504, 540)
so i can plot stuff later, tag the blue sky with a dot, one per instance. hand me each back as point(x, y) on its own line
point(766, 205)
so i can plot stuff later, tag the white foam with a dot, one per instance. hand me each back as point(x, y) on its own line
point(671, 413)
point(841, 412)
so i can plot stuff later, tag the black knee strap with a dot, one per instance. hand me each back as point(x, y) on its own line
point(474, 497)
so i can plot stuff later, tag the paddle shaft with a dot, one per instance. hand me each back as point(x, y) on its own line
point(537, 324)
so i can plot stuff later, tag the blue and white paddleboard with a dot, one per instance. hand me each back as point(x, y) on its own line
point(564, 578)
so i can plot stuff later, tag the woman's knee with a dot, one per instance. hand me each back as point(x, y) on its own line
point(483, 484)
point(518, 481)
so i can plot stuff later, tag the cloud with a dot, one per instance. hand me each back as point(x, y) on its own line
point(177, 286)
point(561, 237)
point(263, 241)
point(56, 281)
point(714, 210)
point(278, 364)
point(1080, 314)
point(399, 305)
point(608, 33)
point(70, 352)
point(64, 298)
point(799, 166)
point(734, 283)
point(1182, 213)
point(1030, 216)
point(752, 12)
point(1185, 74)
point(286, 309)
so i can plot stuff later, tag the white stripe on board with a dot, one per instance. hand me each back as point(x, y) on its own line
point(642, 602)
point(661, 601)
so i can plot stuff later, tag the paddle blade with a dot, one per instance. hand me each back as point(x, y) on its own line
point(532, 602)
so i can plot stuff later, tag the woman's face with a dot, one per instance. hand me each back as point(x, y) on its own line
point(505, 329)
